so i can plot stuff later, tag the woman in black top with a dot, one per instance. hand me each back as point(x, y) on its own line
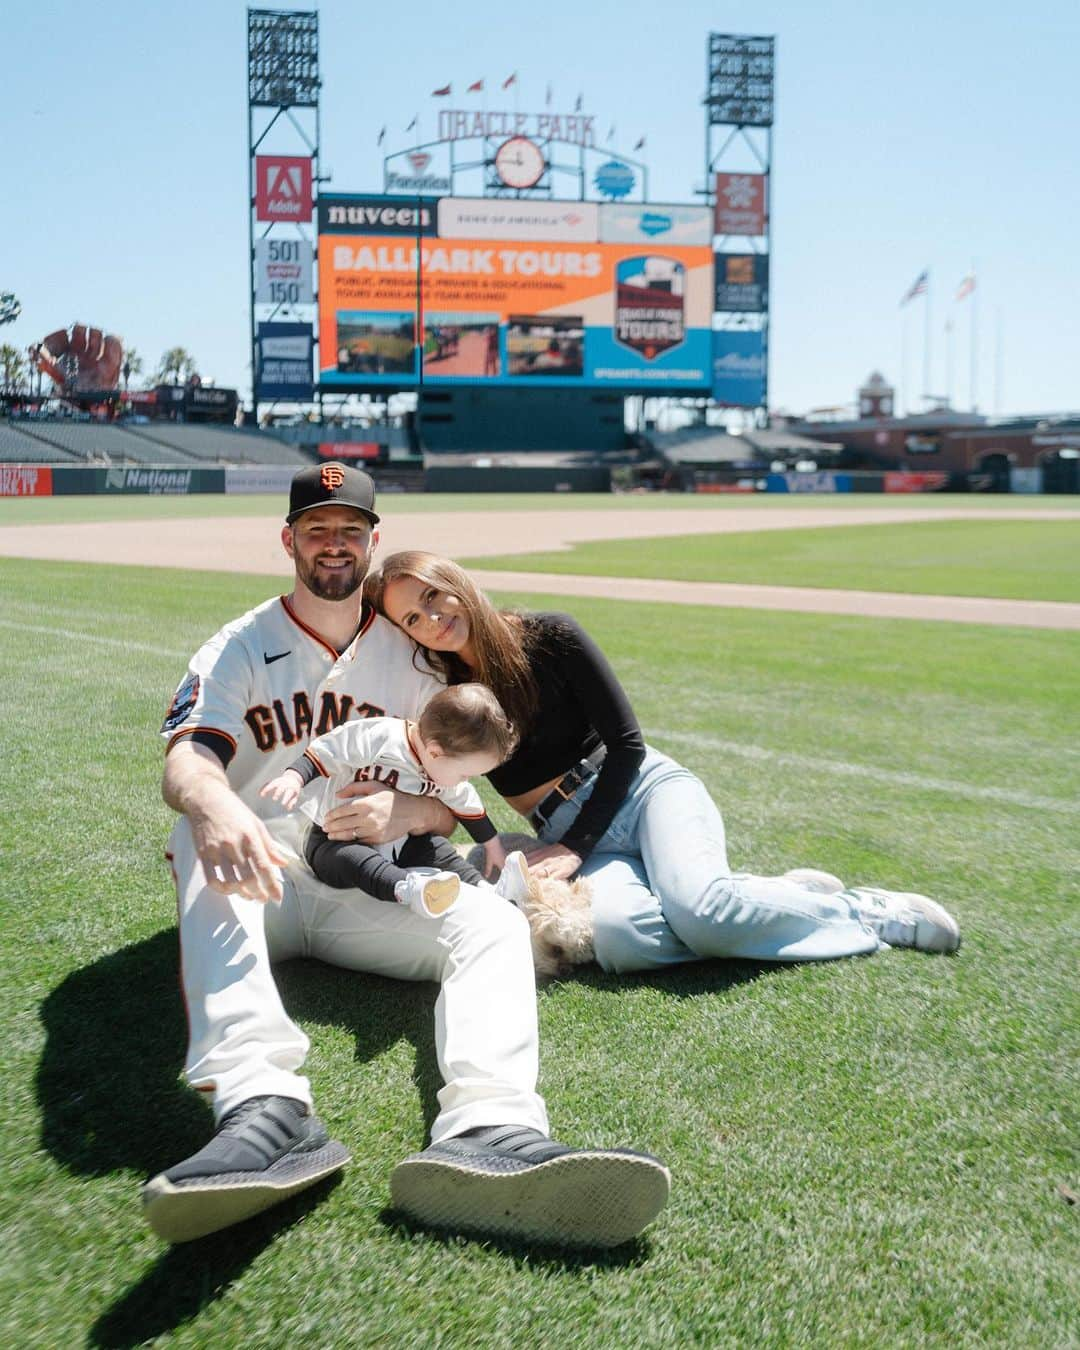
point(641, 827)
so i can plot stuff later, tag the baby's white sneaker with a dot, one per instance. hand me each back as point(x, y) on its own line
point(428, 893)
point(513, 882)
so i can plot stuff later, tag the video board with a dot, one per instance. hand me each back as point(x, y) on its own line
point(514, 292)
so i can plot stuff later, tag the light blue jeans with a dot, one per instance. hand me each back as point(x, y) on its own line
point(663, 892)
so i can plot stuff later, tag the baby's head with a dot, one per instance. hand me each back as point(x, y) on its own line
point(464, 733)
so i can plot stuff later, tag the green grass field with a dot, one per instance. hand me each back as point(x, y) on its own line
point(1006, 559)
point(864, 1153)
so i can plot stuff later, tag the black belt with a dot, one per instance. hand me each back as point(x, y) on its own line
point(567, 785)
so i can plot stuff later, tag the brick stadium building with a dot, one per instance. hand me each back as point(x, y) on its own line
point(951, 442)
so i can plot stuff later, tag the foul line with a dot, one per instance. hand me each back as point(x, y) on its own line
point(74, 635)
point(892, 777)
point(812, 764)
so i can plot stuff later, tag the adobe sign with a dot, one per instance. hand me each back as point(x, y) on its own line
point(283, 187)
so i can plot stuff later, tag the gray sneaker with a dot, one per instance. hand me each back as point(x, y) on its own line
point(904, 919)
point(515, 1182)
point(265, 1150)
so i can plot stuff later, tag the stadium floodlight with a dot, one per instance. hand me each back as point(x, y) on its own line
point(10, 309)
point(740, 80)
point(283, 58)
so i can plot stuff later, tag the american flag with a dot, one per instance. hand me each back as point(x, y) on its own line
point(966, 287)
point(477, 88)
point(918, 287)
point(510, 79)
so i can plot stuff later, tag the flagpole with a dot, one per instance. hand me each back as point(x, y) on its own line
point(974, 340)
point(997, 363)
point(902, 400)
point(926, 342)
point(948, 361)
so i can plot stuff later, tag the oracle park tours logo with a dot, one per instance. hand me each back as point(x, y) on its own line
point(283, 188)
point(649, 306)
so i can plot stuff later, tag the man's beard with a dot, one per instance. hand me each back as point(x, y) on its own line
point(335, 585)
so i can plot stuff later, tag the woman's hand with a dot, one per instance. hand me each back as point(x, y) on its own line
point(554, 860)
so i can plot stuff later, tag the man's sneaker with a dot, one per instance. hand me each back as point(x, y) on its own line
point(427, 893)
point(810, 879)
point(265, 1150)
point(515, 1182)
point(513, 882)
point(903, 919)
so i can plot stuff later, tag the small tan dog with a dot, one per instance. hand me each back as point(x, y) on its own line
point(559, 913)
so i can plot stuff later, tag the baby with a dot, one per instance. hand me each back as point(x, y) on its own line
point(462, 732)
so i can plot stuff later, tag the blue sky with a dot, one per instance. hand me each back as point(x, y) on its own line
point(927, 135)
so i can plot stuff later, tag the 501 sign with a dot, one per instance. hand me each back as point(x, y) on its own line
point(284, 270)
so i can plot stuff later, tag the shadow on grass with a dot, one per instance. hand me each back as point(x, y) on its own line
point(111, 1100)
point(524, 1254)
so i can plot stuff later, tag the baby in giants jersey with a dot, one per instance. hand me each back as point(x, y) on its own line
point(461, 732)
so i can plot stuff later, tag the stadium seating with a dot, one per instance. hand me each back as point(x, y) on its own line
point(216, 445)
point(167, 443)
point(18, 448)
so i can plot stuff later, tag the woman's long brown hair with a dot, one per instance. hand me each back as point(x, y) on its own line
point(499, 640)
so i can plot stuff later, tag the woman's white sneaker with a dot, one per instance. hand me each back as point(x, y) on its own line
point(904, 919)
point(810, 879)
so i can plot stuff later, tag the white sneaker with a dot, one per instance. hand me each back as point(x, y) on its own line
point(810, 879)
point(513, 882)
point(428, 893)
point(903, 919)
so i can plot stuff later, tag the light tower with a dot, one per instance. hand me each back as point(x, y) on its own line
point(738, 179)
point(283, 157)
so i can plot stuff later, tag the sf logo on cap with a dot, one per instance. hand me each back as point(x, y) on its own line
point(333, 475)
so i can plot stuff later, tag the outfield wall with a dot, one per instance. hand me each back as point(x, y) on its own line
point(43, 480)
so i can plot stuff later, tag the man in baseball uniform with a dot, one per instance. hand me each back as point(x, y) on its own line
point(253, 696)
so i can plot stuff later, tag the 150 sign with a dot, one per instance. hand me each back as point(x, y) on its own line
point(283, 272)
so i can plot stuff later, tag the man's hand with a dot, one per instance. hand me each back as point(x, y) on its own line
point(235, 848)
point(237, 853)
point(376, 814)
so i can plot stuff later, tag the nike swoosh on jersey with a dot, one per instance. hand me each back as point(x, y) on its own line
point(271, 659)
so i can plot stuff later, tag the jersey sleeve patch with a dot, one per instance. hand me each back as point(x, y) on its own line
point(185, 698)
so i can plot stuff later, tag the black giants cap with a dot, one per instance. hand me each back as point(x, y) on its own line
point(331, 484)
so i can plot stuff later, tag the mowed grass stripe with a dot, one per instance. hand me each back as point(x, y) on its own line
point(819, 765)
point(865, 1152)
point(1004, 559)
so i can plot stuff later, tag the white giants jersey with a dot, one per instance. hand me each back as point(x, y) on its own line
point(263, 686)
point(381, 750)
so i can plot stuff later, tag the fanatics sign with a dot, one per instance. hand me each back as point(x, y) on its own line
point(283, 188)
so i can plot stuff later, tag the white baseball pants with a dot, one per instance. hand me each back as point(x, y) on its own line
point(243, 1044)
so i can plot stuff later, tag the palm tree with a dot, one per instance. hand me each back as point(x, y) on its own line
point(133, 365)
point(12, 369)
point(177, 365)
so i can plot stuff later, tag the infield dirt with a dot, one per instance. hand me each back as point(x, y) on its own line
point(251, 544)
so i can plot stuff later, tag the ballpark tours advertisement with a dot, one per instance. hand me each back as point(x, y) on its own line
point(506, 291)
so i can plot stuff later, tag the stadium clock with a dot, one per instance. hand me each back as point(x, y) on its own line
point(520, 162)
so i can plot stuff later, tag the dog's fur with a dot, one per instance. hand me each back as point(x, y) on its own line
point(559, 913)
